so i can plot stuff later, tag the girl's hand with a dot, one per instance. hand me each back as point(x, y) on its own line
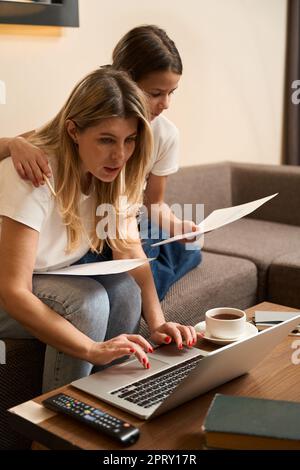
point(30, 162)
point(170, 331)
point(186, 226)
point(122, 345)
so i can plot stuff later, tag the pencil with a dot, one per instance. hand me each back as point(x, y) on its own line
point(49, 185)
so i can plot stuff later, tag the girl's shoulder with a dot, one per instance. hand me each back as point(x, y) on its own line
point(163, 128)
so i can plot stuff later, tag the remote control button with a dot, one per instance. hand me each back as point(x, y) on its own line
point(109, 425)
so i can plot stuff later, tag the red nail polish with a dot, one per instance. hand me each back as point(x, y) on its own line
point(168, 339)
point(180, 346)
point(144, 361)
point(148, 366)
point(132, 350)
point(151, 350)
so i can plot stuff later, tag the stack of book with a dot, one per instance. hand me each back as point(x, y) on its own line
point(235, 422)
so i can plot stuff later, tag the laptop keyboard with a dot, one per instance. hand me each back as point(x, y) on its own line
point(156, 388)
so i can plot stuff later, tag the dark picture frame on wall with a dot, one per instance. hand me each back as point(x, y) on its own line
point(40, 12)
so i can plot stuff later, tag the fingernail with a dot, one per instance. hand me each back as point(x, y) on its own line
point(168, 339)
point(132, 350)
point(180, 346)
point(148, 365)
point(150, 350)
point(144, 361)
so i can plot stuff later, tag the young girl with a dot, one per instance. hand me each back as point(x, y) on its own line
point(152, 60)
point(100, 138)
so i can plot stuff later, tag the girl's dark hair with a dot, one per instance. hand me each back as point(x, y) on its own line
point(146, 49)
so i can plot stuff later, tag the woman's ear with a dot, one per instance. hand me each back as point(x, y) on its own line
point(72, 130)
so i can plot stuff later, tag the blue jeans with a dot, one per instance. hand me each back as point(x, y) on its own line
point(101, 307)
point(172, 262)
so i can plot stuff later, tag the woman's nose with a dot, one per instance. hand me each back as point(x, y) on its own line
point(119, 153)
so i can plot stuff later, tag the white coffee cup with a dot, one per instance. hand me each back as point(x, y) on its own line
point(225, 322)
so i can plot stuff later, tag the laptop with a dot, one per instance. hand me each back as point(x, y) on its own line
point(177, 376)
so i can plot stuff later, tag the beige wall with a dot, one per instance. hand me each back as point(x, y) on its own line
point(229, 105)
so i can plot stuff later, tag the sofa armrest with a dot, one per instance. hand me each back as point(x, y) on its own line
point(254, 181)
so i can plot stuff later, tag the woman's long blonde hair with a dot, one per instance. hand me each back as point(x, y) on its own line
point(102, 94)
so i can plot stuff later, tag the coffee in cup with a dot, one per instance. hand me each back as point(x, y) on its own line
point(225, 322)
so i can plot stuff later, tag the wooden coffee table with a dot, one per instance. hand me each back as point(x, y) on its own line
point(276, 377)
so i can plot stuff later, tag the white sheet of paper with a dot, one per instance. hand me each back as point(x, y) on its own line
point(101, 267)
point(219, 218)
point(33, 411)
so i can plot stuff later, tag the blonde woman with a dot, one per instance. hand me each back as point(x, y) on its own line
point(152, 60)
point(100, 136)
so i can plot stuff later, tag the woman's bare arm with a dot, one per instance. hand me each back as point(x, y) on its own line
point(18, 248)
point(152, 311)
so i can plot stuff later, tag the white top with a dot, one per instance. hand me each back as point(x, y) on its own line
point(37, 208)
point(166, 147)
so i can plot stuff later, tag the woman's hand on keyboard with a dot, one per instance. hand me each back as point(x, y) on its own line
point(180, 334)
point(122, 345)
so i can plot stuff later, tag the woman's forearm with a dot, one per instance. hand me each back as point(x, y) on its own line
point(45, 324)
point(152, 311)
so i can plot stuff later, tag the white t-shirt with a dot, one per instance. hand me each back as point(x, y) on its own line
point(165, 154)
point(37, 208)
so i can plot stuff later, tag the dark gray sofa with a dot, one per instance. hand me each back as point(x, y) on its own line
point(256, 258)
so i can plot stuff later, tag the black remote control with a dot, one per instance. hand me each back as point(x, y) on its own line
point(116, 428)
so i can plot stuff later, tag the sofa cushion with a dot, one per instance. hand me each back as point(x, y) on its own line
point(284, 280)
point(219, 281)
point(256, 240)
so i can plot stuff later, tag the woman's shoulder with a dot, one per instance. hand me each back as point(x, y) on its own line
point(7, 170)
point(6, 164)
point(163, 128)
point(11, 181)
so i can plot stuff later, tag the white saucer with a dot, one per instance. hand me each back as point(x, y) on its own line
point(250, 330)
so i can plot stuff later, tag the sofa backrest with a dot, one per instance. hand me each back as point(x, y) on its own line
point(254, 181)
point(228, 184)
point(201, 184)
